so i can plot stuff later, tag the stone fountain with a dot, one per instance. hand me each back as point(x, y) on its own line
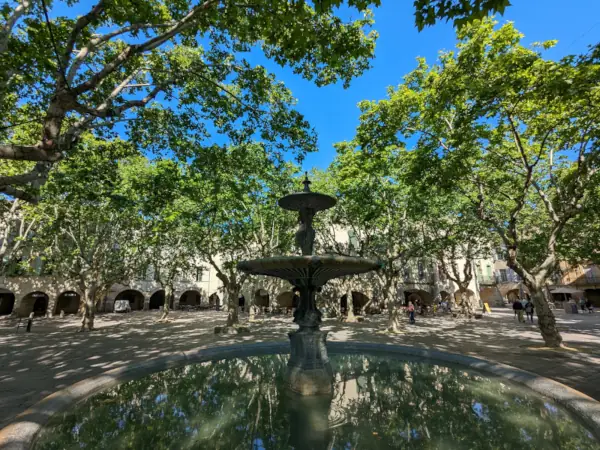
point(309, 371)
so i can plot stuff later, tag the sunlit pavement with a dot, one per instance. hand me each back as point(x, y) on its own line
point(54, 355)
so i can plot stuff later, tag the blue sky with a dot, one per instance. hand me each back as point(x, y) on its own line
point(333, 111)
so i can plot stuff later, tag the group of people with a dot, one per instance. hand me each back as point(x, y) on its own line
point(586, 304)
point(418, 308)
point(523, 305)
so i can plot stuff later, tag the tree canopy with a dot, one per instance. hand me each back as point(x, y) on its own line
point(517, 134)
point(167, 76)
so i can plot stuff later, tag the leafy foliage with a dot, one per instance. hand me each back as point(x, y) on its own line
point(515, 134)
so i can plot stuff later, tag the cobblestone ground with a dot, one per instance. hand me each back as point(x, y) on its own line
point(54, 355)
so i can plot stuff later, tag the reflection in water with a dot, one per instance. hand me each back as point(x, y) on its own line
point(378, 403)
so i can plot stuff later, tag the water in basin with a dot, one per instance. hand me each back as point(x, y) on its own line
point(378, 403)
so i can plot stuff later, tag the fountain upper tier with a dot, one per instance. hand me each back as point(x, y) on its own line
point(308, 270)
point(307, 200)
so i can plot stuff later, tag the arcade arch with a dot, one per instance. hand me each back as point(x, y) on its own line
point(34, 302)
point(68, 301)
point(135, 298)
point(190, 298)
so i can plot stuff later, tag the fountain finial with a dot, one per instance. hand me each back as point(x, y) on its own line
point(306, 182)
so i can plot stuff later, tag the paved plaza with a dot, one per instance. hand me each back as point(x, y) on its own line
point(54, 355)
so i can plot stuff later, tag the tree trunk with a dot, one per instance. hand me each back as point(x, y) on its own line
point(363, 310)
point(394, 308)
point(233, 294)
point(350, 317)
point(169, 295)
point(87, 315)
point(546, 319)
point(465, 303)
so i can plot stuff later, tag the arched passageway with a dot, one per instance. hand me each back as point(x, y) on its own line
point(261, 298)
point(158, 299)
point(190, 298)
point(418, 296)
point(593, 295)
point(67, 302)
point(135, 298)
point(7, 302)
point(513, 294)
point(358, 301)
point(34, 302)
point(214, 301)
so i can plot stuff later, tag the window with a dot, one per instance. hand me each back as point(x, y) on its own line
point(407, 273)
point(488, 271)
point(503, 275)
point(199, 273)
point(421, 270)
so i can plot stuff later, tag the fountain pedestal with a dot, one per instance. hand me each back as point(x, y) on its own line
point(309, 371)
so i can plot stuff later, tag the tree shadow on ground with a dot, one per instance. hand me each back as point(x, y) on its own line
point(54, 356)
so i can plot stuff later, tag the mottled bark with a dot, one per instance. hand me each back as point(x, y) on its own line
point(394, 307)
point(350, 317)
point(546, 319)
point(233, 294)
point(169, 297)
point(88, 308)
point(466, 307)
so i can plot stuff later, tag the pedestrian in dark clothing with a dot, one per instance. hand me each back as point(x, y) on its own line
point(518, 308)
point(529, 310)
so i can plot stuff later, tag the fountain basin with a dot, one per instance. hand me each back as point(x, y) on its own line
point(21, 434)
point(308, 270)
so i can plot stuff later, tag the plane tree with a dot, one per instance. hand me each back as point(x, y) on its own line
point(515, 132)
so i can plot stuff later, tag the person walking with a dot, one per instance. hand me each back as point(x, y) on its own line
point(518, 307)
point(582, 304)
point(529, 310)
point(411, 313)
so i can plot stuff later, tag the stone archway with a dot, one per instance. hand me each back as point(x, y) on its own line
point(7, 302)
point(158, 299)
point(513, 295)
point(214, 301)
point(261, 298)
point(358, 301)
point(285, 300)
point(34, 302)
point(190, 298)
point(68, 301)
point(593, 295)
point(419, 296)
point(135, 298)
